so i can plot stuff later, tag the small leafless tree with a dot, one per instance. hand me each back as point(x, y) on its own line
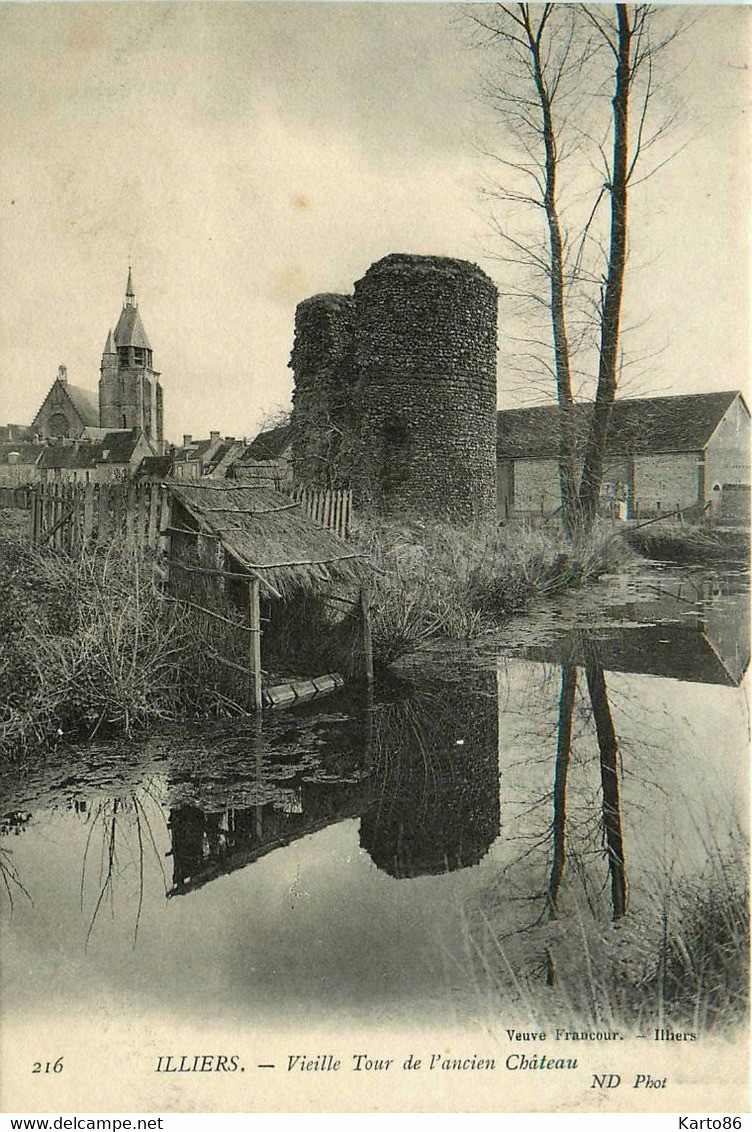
point(561, 159)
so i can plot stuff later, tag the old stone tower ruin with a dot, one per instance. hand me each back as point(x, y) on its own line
point(395, 389)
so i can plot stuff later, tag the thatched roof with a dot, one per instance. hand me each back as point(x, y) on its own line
point(266, 533)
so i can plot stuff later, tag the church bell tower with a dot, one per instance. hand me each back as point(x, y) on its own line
point(130, 394)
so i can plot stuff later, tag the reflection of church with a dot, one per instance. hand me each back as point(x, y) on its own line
point(130, 393)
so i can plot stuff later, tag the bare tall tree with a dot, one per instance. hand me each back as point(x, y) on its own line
point(554, 62)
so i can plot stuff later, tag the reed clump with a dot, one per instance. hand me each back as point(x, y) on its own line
point(670, 541)
point(435, 580)
point(87, 644)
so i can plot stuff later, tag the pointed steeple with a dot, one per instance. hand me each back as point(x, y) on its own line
point(109, 346)
point(130, 329)
point(130, 298)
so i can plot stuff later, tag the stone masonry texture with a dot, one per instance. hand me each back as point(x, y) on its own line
point(425, 356)
point(322, 415)
point(395, 390)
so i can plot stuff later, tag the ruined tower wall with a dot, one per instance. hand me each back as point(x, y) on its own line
point(322, 415)
point(425, 355)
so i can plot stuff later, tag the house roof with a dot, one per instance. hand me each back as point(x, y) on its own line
point(641, 426)
point(264, 531)
point(86, 455)
point(28, 453)
point(15, 432)
point(114, 448)
point(118, 446)
point(156, 467)
point(268, 445)
point(95, 433)
point(185, 455)
point(217, 457)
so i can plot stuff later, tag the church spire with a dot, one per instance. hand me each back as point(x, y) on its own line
point(130, 298)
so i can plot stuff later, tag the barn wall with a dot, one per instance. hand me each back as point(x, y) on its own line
point(665, 481)
point(727, 454)
point(536, 486)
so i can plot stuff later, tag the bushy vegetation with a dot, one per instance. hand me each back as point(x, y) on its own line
point(436, 580)
point(88, 644)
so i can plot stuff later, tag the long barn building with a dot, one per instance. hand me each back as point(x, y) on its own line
point(663, 453)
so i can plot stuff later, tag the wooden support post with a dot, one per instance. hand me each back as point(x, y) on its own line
point(365, 609)
point(254, 618)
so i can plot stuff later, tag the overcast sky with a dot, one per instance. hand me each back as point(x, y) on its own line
point(247, 155)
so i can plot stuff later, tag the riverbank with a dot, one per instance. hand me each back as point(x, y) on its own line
point(458, 584)
point(89, 645)
point(666, 540)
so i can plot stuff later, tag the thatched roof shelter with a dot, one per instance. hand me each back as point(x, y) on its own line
point(270, 536)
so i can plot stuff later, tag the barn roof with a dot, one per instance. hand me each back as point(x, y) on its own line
point(640, 426)
point(266, 531)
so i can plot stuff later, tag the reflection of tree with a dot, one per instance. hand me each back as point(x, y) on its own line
point(608, 749)
point(581, 828)
point(124, 829)
point(563, 757)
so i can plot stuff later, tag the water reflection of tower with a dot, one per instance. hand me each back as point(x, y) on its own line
point(436, 780)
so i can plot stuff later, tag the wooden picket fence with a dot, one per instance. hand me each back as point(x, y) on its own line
point(330, 509)
point(16, 496)
point(68, 515)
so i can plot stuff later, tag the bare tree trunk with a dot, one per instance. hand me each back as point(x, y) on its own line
point(592, 471)
point(567, 474)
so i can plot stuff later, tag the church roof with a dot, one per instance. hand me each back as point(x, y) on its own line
point(130, 329)
point(84, 402)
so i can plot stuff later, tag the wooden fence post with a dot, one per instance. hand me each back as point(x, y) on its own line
point(88, 527)
point(142, 497)
point(365, 610)
point(254, 617)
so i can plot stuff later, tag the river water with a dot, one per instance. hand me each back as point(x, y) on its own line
point(412, 858)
